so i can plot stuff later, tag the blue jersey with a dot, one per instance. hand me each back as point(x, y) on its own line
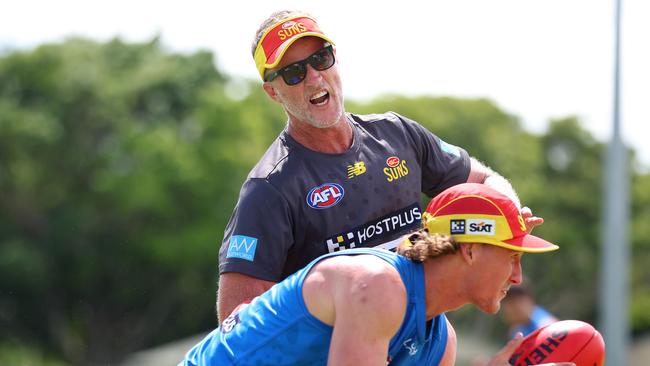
point(277, 329)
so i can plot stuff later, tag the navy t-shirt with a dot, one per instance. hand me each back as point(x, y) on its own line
point(298, 204)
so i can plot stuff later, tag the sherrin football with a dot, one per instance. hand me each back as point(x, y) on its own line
point(567, 340)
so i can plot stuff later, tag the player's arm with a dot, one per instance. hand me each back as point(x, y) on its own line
point(480, 173)
point(236, 288)
point(254, 249)
point(369, 308)
point(449, 358)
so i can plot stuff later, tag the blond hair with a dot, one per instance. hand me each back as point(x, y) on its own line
point(421, 245)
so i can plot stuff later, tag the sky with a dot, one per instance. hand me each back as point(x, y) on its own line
point(536, 59)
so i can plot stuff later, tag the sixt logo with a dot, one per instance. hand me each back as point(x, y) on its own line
point(325, 196)
point(481, 227)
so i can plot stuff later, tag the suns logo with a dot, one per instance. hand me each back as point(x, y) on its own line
point(396, 168)
point(325, 196)
point(291, 28)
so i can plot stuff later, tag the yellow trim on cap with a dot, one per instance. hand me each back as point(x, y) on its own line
point(442, 225)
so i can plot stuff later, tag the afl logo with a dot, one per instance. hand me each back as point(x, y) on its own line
point(393, 161)
point(325, 196)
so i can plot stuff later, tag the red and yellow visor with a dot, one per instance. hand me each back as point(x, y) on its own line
point(476, 213)
point(277, 39)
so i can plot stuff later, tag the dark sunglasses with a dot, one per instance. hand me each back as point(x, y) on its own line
point(293, 74)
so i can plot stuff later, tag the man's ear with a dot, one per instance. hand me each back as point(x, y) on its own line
point(270, 90)
point(467, 252)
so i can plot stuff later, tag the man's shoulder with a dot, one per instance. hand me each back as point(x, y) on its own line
point(391, 123)
point(386, 117)
point(272, 161)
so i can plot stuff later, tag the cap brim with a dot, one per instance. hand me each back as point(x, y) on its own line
point(530, 244)
point(274, 58)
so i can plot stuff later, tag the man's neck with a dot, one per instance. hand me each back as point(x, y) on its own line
point(443, 286)
point(332, 140)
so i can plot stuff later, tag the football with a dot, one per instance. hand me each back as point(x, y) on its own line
point(567, 340)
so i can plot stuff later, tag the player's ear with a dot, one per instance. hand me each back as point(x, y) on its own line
point(270, 90)
point(467, 252)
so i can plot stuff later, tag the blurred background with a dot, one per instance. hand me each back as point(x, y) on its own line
point(126, 131)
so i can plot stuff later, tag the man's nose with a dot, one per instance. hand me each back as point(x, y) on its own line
point(313, 74)
point(516, 277)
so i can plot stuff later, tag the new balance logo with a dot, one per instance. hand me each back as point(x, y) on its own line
point(357, 169)
point(242, 247)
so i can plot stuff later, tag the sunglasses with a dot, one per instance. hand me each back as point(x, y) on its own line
point(293, 74)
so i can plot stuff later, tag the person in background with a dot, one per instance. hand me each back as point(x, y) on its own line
point(332, 180)
point(522, 313)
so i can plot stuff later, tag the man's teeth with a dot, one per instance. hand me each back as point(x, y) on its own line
point(319, 98)
point(319, 95)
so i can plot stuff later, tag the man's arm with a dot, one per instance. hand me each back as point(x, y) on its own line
point(366, 318)
point(236, 288)
point(480, 173)
point(364, 299)
point(449, 358)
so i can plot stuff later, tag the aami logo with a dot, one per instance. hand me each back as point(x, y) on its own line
point(325, 196)
point(242, 246)
point(481, 227)
point(396, 168)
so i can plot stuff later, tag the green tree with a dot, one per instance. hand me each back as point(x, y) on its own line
point(119, 164)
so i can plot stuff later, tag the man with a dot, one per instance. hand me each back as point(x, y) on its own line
point(314, 191)
point(522, 313)
point(376, 307)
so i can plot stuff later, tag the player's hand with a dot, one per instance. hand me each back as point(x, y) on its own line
point(501, 358)
point(530, 220)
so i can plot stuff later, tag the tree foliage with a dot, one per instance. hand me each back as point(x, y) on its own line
point(120, 165)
